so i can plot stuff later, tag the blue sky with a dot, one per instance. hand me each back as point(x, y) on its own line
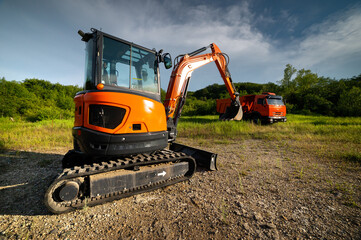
point(38, 38)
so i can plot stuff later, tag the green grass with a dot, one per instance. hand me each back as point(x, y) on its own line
point(298, 127)
point(38, 136)
point(211, 127)
point(224, 212)
point(347, 191)
point(327, 137)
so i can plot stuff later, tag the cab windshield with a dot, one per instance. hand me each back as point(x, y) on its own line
point(275, 101)
point(128, 66)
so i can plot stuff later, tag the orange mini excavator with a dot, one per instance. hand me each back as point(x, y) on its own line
point(123, 134)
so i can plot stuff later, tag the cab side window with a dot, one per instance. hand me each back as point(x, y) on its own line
point(260, 101)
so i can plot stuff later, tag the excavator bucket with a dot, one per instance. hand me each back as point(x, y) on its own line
point(233, 112)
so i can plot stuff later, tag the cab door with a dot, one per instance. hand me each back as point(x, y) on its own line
point(261, 106)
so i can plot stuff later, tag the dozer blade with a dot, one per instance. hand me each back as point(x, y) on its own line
point(203, 158)
point(233, 112)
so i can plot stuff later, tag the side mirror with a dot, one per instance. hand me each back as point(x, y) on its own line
point(167, 59)
point(85, 36)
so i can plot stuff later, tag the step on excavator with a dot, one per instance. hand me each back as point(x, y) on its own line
point(124, 137)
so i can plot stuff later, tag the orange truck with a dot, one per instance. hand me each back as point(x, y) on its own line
point(265, 108)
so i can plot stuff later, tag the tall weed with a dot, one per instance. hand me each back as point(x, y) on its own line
point(325, 136)
point(43, 135)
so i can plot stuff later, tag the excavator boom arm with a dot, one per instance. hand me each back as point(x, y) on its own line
point(182, 71)
point(223, 70)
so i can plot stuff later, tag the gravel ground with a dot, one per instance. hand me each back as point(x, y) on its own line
point(262, 190)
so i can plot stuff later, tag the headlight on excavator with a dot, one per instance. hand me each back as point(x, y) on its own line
point(105, 116)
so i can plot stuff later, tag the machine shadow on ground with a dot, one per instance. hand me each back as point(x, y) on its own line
point(24, 178)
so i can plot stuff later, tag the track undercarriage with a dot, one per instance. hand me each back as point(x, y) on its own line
point(90, 184)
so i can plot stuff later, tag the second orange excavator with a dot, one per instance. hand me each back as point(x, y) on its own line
point(124, 137)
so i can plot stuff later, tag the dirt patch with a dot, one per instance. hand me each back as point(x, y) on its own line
point(264, 190)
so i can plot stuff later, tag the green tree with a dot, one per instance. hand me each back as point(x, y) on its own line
point(350, 102)
point(317, 104)
point(305, 79)
point(287, 76)
point(36, 99)
point(162, 95)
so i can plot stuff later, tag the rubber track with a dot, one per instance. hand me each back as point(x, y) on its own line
point(163, 156)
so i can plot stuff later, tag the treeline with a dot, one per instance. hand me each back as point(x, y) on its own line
point(303, 91)
point(35, 99)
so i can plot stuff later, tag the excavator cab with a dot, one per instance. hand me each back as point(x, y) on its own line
point(120, 110)
point(119, 64)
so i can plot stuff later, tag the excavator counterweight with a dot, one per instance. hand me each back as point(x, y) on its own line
point(124, 136)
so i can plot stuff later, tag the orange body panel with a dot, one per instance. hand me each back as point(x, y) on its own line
point(79, 108)
point(150, 114)
point(222, 104)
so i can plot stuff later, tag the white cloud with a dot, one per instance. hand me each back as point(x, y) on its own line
point(329, 44)
point(178, 27)
point(290, 20)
